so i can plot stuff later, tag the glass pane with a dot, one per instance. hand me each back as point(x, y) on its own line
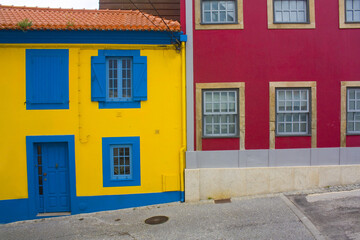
point(216, 107)
point(223, 129)
point(352, 94)
point(303, 106)
point(127, 151)
point(288, 95)
point(303, 117)
point(231, 5)
point(288, 117)
point(232, 107)
point(232, 128)
point(285, 4)
point(304, 95)
point(230, 17)
point(127, 161)
point(122, 161)
point(122, 170)
point(301, 4)
point(288, 106)
point(293, 5)
point(216, 97)
point(288, 127)
point(208, 119)
point(350, 116)
point(222, 16)
point(206, 5)
point(280, 117)
point(223, 119)
point(215, 16)
point(232, 118)
point(281, 127)
point(208, 129)
point(352, 105)
point(281, 105)
point(214, 5)
point(296, 127)
point(296, 117)
point(296, 95)
point(127, 170)
point(223, 107)
point(357, 126)
point(208, 107)
point(116, 161)
point(350, 126)
point(207, 17)
point(296, 105)
point(357, 116)
point(222, 5)
point(216, 129)
point(216, 119)
point(303, 127)
point(301, 17)
point(224, 97)
point(116, 171)
point(231, 96)
point(281, 95)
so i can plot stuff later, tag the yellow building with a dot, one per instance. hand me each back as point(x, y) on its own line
point(93, 113)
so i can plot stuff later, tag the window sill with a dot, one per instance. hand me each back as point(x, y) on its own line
point(113, 105)
point(218, 26)
point(291, 25)
point(46, 106)
point(122, 183)
point(293, 135)
point(347, 25)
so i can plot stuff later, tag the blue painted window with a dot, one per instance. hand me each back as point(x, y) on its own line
point(47, 79)
point(121, 161)
point(120, 158)
point(119, 78)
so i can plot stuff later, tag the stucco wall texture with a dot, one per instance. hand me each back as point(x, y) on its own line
point(257, 55)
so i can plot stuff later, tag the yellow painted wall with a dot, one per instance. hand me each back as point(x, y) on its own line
point(158, 122)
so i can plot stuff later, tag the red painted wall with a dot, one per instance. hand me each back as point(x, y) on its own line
point(257, 55)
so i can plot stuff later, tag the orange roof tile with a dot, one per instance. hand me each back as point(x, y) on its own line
point(76, 19)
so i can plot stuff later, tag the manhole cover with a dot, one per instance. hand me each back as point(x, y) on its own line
point(156, 220)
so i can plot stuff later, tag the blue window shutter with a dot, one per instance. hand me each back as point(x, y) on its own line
point(98, 79)
point(140, 78)
point(47, 78)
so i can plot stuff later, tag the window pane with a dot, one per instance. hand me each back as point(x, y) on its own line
point(214, 5)
point(206, 5)
point(220, 112)
point(303, 127)
point(281, 95)
point(222, 5)
point(296, 127)
point(281, 127)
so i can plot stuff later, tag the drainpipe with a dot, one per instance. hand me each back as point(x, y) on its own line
point(183, 122)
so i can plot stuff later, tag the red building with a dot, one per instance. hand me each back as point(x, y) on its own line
point(271, 83)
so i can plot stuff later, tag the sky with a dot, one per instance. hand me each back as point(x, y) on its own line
point(78, 4)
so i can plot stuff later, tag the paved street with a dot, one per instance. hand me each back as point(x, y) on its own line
point(266, 217)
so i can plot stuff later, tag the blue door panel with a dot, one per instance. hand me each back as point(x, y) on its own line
point(55, 194)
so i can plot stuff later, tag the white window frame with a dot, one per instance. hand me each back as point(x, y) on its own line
point(228, 113)
point(353, 10)
point(297, 10)
point(119, 79)
point(293, 112)
point(355, 111)
point(234, 10)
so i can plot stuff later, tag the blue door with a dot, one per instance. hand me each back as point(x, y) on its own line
point(52, 173)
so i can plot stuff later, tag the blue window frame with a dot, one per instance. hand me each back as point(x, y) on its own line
point(119, 78)
point(121, 161)
point(47, 79)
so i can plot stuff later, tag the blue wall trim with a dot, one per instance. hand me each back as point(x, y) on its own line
point(18, 209)
point(135, 161)
point(30, 141)
point(114, 37)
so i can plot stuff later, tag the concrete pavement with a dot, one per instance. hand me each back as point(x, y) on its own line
point(328, 213)
point(257, 218)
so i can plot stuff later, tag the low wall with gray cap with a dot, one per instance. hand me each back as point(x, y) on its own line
point(224, 174)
